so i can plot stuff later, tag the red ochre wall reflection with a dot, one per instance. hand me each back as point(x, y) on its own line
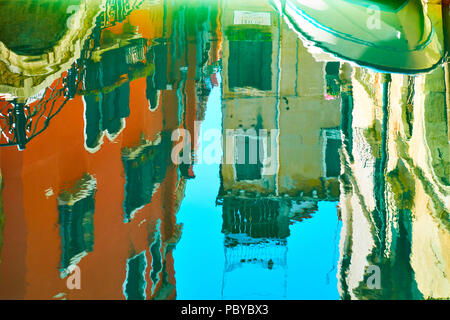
point(57, 159)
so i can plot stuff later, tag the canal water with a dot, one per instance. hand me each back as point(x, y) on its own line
point(174, 149)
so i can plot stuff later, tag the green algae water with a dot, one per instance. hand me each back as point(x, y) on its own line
point(224, 150)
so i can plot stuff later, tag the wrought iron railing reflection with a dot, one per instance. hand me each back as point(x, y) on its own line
point(20, 122)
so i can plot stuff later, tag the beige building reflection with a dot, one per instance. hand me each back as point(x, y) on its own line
point(395, 191)
point(271, 81)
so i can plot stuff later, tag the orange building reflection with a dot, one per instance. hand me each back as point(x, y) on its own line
point(79, 194)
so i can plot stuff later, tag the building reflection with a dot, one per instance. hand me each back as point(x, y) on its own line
point(392, 171)
point(395, 185)
point(271, 82)
point(294, 101)
point(256, 232)
point(98, 190)
point(40, 62)
point(107, 86)
point(394, 195)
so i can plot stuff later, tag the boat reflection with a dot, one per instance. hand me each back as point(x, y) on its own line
point(345, 137)
point(392, 36)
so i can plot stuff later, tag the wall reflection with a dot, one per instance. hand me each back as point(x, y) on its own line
point(394, 184)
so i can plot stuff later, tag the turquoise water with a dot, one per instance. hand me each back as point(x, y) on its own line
point(311, 252)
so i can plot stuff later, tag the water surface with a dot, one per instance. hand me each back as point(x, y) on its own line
point(314, 152)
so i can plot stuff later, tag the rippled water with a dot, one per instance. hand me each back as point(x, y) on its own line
point(171, 149)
